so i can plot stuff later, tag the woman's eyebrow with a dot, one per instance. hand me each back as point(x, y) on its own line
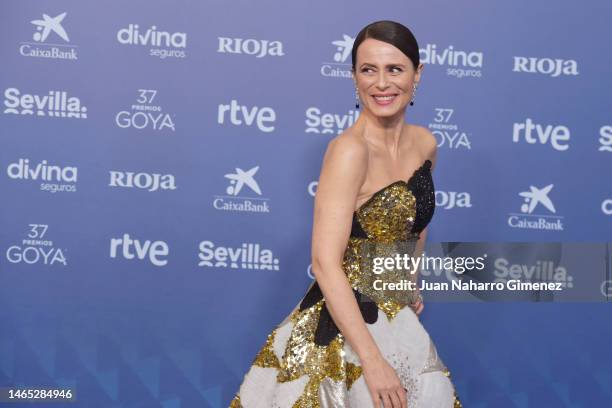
point(388, 65)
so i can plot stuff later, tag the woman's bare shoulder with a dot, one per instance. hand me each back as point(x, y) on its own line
point(343, 170)
point(348, 146)
point(427, 142)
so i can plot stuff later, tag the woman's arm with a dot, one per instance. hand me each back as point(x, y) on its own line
point(342, 174)
point(430, 151)
point(418, 305)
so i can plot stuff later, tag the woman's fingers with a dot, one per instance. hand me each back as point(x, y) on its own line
point(402, 394)
point(386, 400)
point(376, 402)
point(395, 399)
point(420, 308)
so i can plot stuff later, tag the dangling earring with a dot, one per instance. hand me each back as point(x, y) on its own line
point(414, 88)
point(356, 98)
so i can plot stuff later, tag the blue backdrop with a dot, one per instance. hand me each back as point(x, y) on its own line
point(140, 270)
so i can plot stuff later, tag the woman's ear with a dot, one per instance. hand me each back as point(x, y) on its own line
point(417, 76)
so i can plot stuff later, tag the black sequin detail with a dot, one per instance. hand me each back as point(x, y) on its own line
point(422, 187)
point(356, 229)
point(326, 328)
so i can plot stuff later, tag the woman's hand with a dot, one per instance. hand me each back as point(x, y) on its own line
point(383, 383)
point(418, 305)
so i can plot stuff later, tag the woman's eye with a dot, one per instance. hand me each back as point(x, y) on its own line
point(396, 68)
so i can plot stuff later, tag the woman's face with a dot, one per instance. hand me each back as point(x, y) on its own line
point(384, 77)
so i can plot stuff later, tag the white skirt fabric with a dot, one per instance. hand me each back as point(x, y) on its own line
point(290, 372)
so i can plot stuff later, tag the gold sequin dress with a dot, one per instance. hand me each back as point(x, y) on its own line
point(305, 361)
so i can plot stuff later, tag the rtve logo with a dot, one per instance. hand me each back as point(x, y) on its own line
point(242, 115)
point(129, 248)
point(557, 136)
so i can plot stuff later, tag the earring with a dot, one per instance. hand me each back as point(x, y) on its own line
point(356, 98)
point(414, 88)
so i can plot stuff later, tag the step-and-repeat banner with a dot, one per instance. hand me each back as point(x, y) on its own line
point(160, 158)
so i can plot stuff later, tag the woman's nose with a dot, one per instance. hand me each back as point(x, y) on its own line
point(382, 80)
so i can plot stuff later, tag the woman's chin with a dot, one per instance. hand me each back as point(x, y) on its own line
point(384, 112)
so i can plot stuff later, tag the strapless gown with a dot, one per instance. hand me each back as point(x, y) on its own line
point(306, 362)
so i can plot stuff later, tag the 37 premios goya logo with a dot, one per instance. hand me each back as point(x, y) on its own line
point(36, 249)
point(145, 113)
point(449, 134)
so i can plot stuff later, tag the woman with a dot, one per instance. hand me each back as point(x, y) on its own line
point(347, 344)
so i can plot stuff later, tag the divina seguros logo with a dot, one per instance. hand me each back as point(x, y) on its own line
point(161, 44)
point(459, 63)
point(52, 178)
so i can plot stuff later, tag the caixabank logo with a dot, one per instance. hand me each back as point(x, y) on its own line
point(242, 193)
point(49, 39)
point(339, 65)
point(537, 212)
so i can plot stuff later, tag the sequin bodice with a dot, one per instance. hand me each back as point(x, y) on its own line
point(386, 225)
point(399, 211)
